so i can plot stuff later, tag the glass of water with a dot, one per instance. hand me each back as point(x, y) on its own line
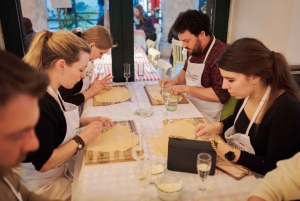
point(166, 93)
point(203, 167)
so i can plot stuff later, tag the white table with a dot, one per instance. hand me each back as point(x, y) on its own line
point(117, 181)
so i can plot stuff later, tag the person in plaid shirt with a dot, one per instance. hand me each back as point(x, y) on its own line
point(200, 78)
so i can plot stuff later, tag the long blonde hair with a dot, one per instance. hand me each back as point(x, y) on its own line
point(47, 47)
point(96, 34)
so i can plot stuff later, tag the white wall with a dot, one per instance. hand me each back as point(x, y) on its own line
point(275, 22)
point(36, 11)
point(170, 11)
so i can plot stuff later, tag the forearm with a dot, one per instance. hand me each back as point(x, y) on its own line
point(60, 155)
point(88, 94)
point(180, 78)
point(206, 94)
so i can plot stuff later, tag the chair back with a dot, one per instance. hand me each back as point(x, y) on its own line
point(177, 53)
point(228, 108)
point(158, 35)
point(150, 43)
point(153, 56)
point(165, 68)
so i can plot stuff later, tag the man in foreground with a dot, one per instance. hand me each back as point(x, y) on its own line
point(20, 88)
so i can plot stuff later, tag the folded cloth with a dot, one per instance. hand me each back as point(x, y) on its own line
point(150, 69)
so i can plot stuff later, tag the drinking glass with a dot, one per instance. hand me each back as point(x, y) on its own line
point(203, 168)
point(144, 176)
point(126, 72)
point(166, 93)
point(141, 72)
point(138, 150)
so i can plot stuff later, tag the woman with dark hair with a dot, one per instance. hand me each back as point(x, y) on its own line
point(143, 21)
point(264, 127)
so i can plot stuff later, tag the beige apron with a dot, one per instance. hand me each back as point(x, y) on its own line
point(210, 110)
point(17, 194)
point(239, 140)
point(55, 183)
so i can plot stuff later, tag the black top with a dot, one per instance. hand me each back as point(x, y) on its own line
point(50, 131)
point(277, 136)
point(72, 95)
point(148, 28)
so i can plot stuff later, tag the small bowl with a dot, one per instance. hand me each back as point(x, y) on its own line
point(157, 170)
point(143, 112)
point(169, 187)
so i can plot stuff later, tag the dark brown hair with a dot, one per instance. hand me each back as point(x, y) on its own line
point(140, 8)
point(17, 77)
point(250, 57)
point(27, 24)
point(192, 20)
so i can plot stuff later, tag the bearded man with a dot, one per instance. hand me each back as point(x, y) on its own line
point(200, 77)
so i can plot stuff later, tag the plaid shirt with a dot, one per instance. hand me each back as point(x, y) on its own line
point(211, 76)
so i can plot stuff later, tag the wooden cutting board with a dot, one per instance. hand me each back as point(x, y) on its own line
point(96, 103)
point(154, 102)
point(98, 157)
point(195, 120)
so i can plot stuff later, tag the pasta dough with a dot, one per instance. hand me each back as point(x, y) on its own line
point(154, 92)
point(178, 128)
point(116, 138)
point(116, 94)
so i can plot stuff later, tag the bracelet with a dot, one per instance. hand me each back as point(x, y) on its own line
point(222, 127)
point(79, 141)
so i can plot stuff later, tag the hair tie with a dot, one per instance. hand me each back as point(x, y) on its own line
point(49, 34)
point(79, 31)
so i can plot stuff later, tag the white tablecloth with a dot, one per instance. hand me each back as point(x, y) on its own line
point(117, 181)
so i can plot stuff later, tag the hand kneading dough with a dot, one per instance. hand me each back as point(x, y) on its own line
point(178, 128)
point(117, 138)
point(154, 92)
point(116, 94)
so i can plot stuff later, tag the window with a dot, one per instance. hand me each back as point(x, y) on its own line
point(84, 13)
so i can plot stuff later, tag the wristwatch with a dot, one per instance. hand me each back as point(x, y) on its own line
point(230, 155)
point(79, 141)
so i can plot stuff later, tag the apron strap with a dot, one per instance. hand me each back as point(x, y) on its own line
point(261, 103)
point(57, 97)
point(211, 45)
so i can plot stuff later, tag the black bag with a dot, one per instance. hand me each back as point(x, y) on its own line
point(182, 155)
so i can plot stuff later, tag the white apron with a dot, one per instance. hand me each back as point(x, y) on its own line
point(239, 140)
point(86, 83)
point(210, 110)
point(55, 183)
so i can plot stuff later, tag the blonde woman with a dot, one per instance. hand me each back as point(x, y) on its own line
point(99, 39)
point(49, 170)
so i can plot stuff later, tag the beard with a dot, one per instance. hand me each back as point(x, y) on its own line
point(197, 48)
